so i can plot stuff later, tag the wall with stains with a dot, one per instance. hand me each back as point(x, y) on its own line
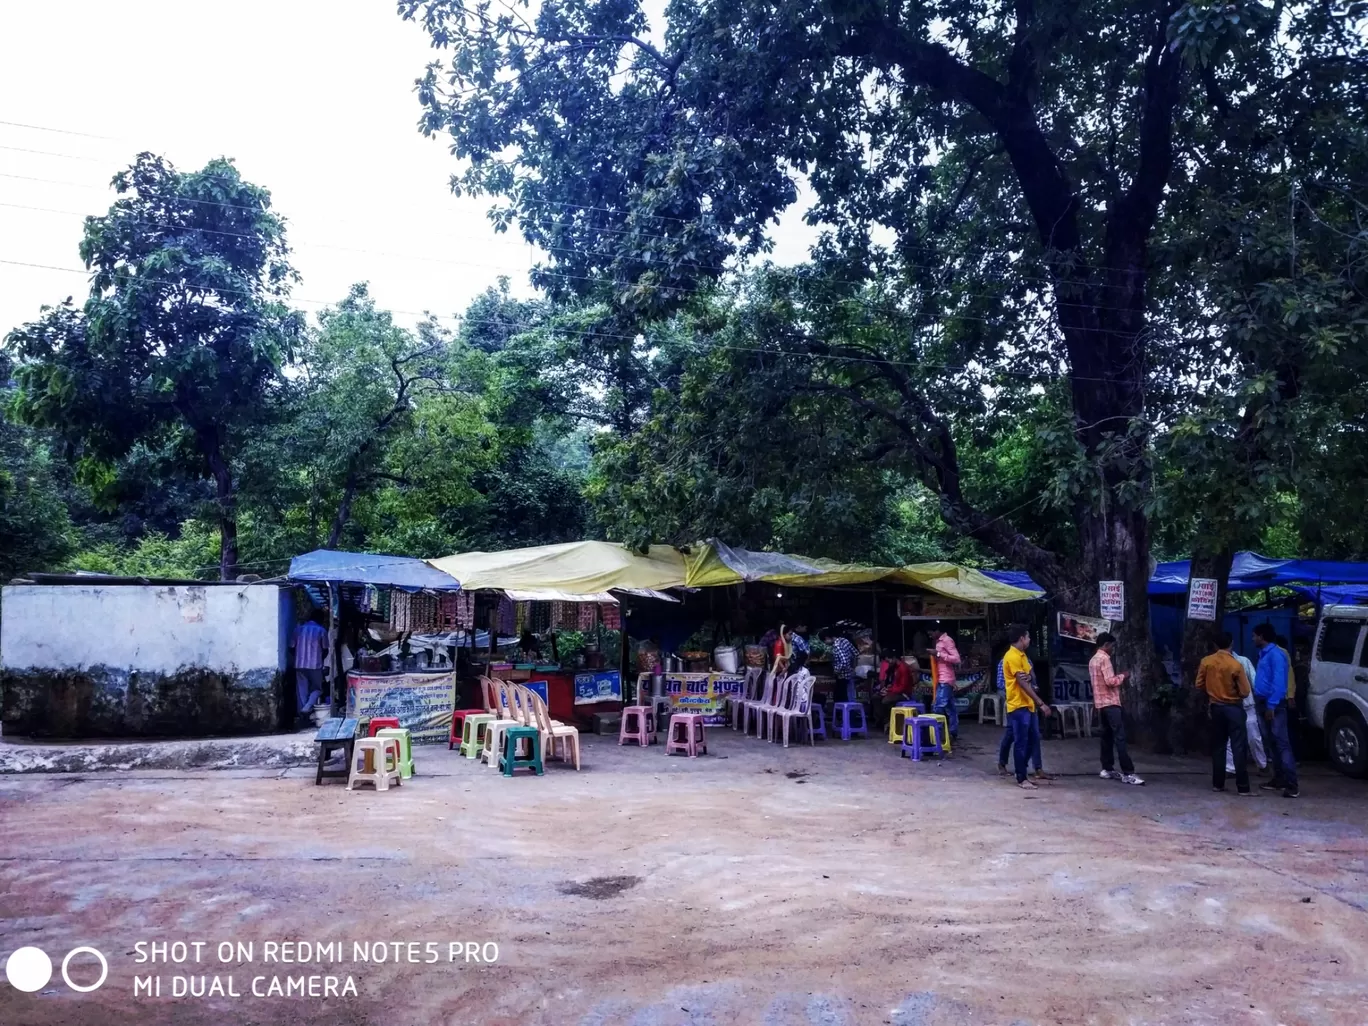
point(142, 660)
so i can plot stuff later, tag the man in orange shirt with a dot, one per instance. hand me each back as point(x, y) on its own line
point(1106, 689)
point(1222, 677)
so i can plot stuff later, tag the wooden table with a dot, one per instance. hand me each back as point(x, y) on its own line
point(333, 735)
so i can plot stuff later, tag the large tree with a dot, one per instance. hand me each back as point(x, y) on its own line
point(183, 336)
point(1008, 168)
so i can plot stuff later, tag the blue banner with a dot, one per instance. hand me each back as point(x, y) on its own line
point(539, 688)
point(603, 686)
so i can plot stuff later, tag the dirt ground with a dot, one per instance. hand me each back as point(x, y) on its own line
point(832, 886)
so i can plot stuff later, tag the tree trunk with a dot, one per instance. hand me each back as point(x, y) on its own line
point(1199, 640)
point(343, 511)
point(226, 497)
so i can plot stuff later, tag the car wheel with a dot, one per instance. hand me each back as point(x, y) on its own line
point(1347, 740)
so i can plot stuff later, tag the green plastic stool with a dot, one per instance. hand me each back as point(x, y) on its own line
point(401, 734)
point(472, 736)
point(509, 761)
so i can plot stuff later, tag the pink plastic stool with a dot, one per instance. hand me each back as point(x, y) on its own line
point(686, 735)
point(636, 725)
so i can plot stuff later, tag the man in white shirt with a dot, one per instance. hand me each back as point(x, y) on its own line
point(1256, 746)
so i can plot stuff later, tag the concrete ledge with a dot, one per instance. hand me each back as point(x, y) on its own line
point(275, 751)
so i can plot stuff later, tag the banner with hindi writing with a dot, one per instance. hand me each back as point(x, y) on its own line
point(422, 702)
point(600, 686)
point(705, 693)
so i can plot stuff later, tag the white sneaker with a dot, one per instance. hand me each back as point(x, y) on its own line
point(1131, 778)
point(1110, 775)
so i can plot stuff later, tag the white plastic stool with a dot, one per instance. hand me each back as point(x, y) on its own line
point(995, 701)
point(382, 753)
point(1065, 712)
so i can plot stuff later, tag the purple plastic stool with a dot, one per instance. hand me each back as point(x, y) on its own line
point(818, 728)
point(919, 706)
point(841, 716)
point(913, 729)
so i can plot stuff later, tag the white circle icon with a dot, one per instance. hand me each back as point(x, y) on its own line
point(104, 970)
point(28, 969)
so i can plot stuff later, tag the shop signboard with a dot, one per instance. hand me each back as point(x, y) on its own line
point(602, 686)
point(1113, 596)
point(422, 702)
point(539, 688)
point(937, 607)
point(1082, 628)
point(704, 693)
point(1202, 599)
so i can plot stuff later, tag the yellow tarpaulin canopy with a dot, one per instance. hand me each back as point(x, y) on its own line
point(713, 563)
point(586, 570)
point(582, 570)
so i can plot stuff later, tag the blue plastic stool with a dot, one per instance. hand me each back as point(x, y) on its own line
point(919, 706)
point(818, 727)
point(913, 731)
point(509, 761)
point(842, 716)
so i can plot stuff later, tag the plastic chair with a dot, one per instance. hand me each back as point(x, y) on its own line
point(1066, 712)
point(800, 710)
point(914, 732)
point(551, 733)
point(755, 683)
point(765, 714)
point(774, 684)
point(995, 702)
point(375, 761)
point(510, 760)
point(513, 712)
point(686, 735)
point(842, 720)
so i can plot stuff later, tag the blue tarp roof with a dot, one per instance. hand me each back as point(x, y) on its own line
point(1249, 572)
point(401, 572)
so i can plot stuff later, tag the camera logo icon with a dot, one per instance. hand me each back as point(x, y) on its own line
point(29, 969)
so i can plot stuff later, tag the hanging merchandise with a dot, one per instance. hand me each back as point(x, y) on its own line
point(506, 618)
point(524, 619)
point(564, 616)
point(465, 610)
point(541, 617)
point(425, 615)
point(446, 612)
point(383, 604)
point(586, 616)
point(611, 616)
point(400, 608)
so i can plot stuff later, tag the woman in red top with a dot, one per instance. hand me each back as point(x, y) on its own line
point(897, 682)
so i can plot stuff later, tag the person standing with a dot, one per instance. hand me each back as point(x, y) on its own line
point(1252, 730)
point(1106, 689)
point(947, 657)
point(1022, 701)
point(1270, 701)
point(843, 656)
point(310, 641)
point(800, 649)
point(1005, 748)
point(1224, 681)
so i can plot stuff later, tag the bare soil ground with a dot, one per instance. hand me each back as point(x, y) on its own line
point(832, 886)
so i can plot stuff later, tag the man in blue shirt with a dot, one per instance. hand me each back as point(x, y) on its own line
point(843, 656)
point(1270, 701)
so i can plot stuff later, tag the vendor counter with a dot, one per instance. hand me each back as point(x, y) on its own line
point(572, 696)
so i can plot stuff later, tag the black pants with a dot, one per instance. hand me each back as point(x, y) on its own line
point(1114, 734)
point(1228, 724)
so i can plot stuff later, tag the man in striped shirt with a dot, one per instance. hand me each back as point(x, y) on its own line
point(310, 640)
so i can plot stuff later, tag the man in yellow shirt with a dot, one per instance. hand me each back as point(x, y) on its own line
point(1223, 679)
point(1022, 700)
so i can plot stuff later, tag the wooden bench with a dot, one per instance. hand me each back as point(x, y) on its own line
point(334, 735)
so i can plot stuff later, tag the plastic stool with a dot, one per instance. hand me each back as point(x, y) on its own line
point(400, 734)
point(1066, 711)
point(898, 714)
point(374, 755)
point(842, 716)
point(686, 735)
point(637, 725)
point(817, 721)
point(944, 722)
point(458, 718)
point(473, 732)
point(914, 731)
point(381, 723)
point(996, 702)
point(509, 761)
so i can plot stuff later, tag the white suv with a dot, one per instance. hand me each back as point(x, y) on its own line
point(1338, 691)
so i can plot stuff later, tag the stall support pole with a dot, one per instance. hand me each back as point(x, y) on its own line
point(333, 682)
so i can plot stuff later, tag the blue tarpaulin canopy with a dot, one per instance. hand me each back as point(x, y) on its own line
point(364, 568)
point(1249, 572)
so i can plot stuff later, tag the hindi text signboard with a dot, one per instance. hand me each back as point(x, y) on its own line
point(1202, 599)
point(1113, 597)
point(602, 686)
point(422, 702)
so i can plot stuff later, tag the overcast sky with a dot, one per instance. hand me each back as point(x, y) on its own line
point(313, 100)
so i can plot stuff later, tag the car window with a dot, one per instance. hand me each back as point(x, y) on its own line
point(1337, 641)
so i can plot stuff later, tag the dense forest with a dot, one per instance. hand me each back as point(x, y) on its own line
point(1091, 290)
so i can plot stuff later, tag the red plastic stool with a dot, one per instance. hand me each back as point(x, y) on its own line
point(381, 722)
point(458, 725)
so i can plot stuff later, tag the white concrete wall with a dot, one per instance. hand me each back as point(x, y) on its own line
point(147, 628)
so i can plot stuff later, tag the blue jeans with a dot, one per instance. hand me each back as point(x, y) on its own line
point(849, 689)
point(1020, 722)
point(1280, 751)
point(308, 689)
point(1005, 749)
point(945, 706)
